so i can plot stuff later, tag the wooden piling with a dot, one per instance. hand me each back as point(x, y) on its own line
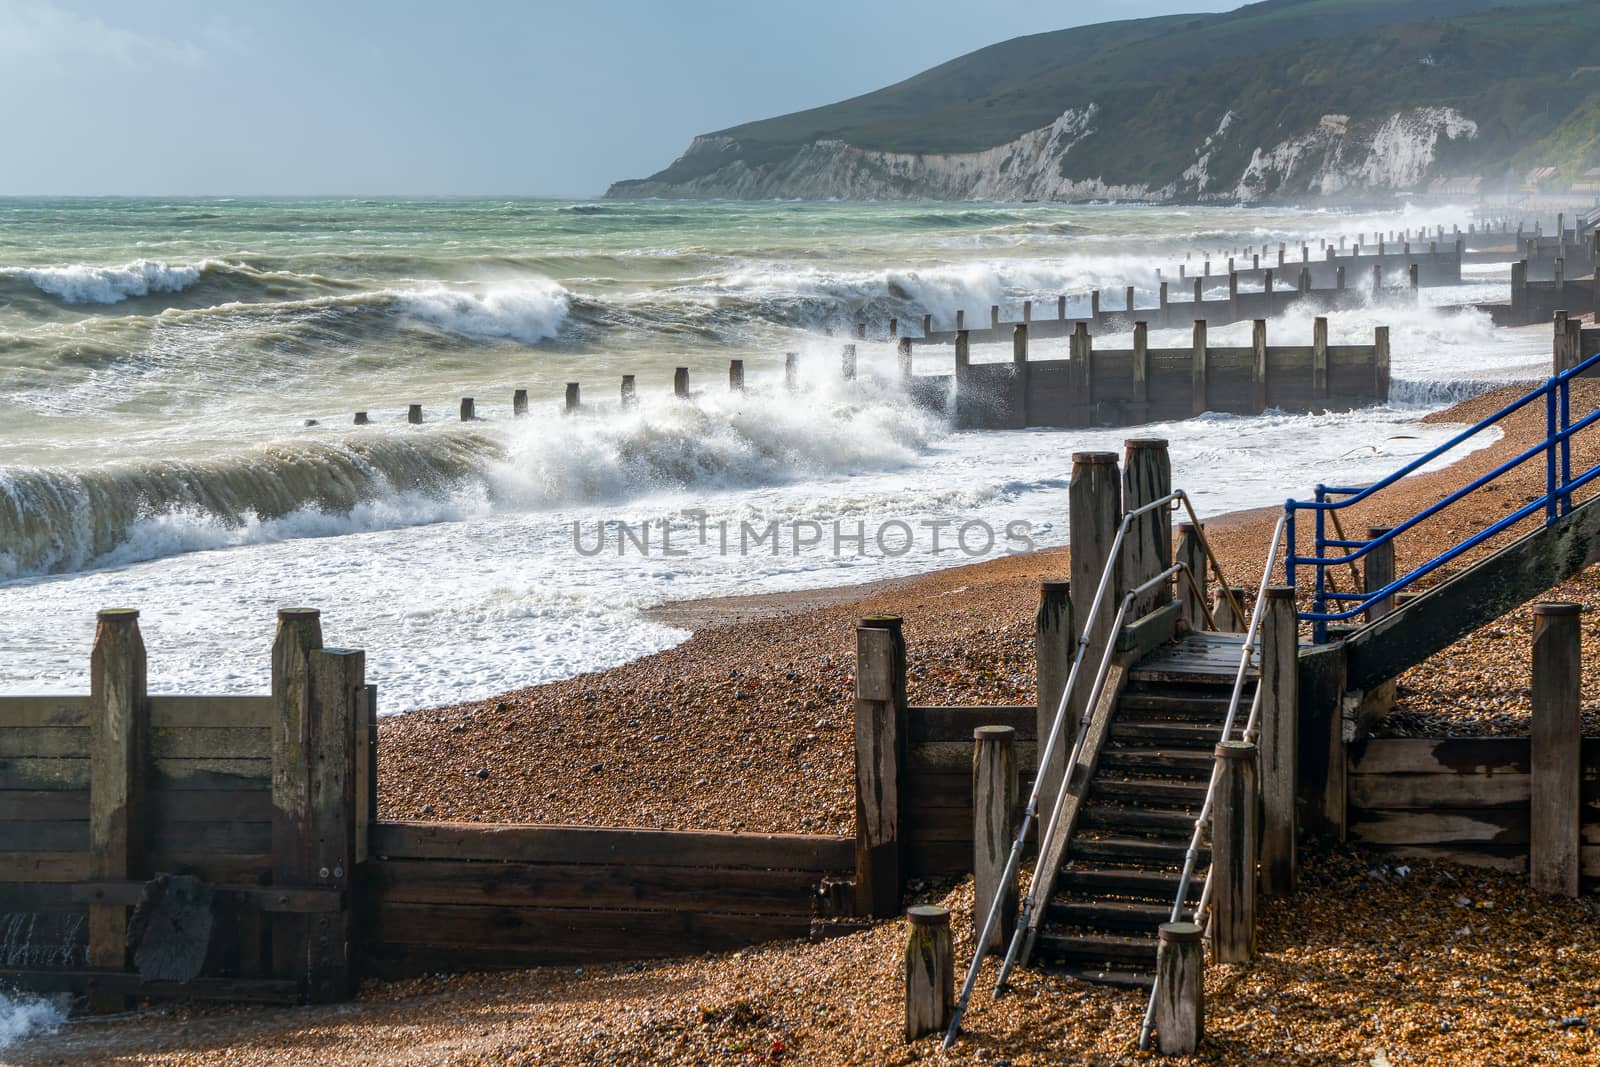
point(1127, 300)
point(1061, 308)
point(1377, 278)
point(927, 325)
point(1258, 368)
point(362, 419)
point(1377, 572)
point(1027, 311)
point(1519, 291)
point(414, 414)
point(1147, 551)
point(994, 827)
point(519, 403)
point(847, 362)
point(1055, 637)
point(1553, 852)
point(1161, 300)
point(680, 381)
point(1191, 553)
point(469, 411)
point(630, 391)
point(1094, 511)
point(573, 399)
point(337, 676)
point(1233, 855)
point(894, 328)
point(1139, 401)
point(1199, 385)
point(1280, 710)
point(961, 320)
point(1304, 283)
point(1233, 293)
point(293, 756)
point(902, 355)
point(736, 375)
point(1180, 993)
point(930, 971)
point(791, 370)
point(861, 331)
point(880, 736)
point(1094, 305)
point(1319, 359)
point(1380, 363)
point(118, 741)
point(1228, 620)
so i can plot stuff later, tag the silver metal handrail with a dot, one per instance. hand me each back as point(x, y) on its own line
point(1246, 654)
point(1031, 811)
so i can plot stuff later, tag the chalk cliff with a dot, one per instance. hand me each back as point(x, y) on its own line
point(1282, 99)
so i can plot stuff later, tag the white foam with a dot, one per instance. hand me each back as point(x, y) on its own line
point(23, 1016)
point(80, 284)
point(528, 311)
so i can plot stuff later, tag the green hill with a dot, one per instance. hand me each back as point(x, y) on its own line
point(1475, 84)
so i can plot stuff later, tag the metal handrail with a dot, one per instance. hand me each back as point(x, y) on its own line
point(1560, 486)
point(1031, 810)
point(1191, 857)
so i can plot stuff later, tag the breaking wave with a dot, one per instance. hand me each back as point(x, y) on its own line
point(78, 284)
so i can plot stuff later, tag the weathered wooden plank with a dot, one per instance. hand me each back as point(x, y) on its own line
point(583, 844)
point(267, 898)
point(26, 804)
point(21, 711)
point(231, 837)
point(36, 772)
point(44, 866)
point(1424, 755)
point(124, 984)
point(37, 897)
point(119, 719)
point(1513, 858)
point(180, 773)
point(880, 746)
point(211, 742)
point(947, 791)
point(1151, 632)
point(565, 885)
point(209, 805)
point(589, 934)
point(45, 835)
point(957, 723)
point(48, 741)
point(212, 866)
point(1421, 792)
point(1488, 826)
point(183, 712)
point(949, 756)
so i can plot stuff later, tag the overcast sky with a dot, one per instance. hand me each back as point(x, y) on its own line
point(360, 96)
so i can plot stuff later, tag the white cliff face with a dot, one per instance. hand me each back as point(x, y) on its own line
point(1336, 156)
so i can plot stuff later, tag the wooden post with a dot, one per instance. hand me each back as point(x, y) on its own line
point(1233, 855)
point(880, 747)
point(1258, 370)
point(361, 419)
point(1127, 300)
point(519, 403)
point(1019, 371)
point(1061, 308)
point(1094, 306)
point(1233, 293)
point(1304, 285)
point(1199, 295)
point(994, 316)
point(736, 375)
point(1553, 852)
point(894, 328)
point(1377, 572)
point(1094, 511)
point(927, 325)
point(1055, 638)
point(118, 738)
point(994, 827)
point(847, 362)
point(293, 749)
point(1519, 292)
point(1280, 709)
point(1267, 287)
point(1180, 979)
point(1162, 301)
point(961, 320)
point(791, 370)
point(1414, 277)
point(338, 680)
point(1081, 353)
point(630, 391)
point(573, 399)
point(861, 331)
point(1027, 311)
point(1338, 279)
point(414, 414)
point(1198, 373)
point(469, 411)
point(1319, 359)
point(930, 971)
point(1139, 402)
point(1147, 550)
point(902, 355)
point(680, 381)
point(1192, 554)
point(1377, 279)
point(1380, 363)
point(1228, 620)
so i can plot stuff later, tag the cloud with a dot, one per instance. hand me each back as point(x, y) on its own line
point(44, 34)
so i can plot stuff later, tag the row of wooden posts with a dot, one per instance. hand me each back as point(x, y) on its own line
point(1381, 238)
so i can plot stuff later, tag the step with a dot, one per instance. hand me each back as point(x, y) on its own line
point(1122, 882)
point(1096, 950)
point(1176, 701)
point(1169, 763)
point(1158, 822)
point(1117, 848)
point(1139, 790)
point(1201, 736)
point(1099, 976)
point(1138, 916)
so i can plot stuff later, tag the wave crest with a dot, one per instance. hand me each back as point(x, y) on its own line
point(81, 284)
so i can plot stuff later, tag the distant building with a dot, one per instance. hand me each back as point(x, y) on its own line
point(1462, 186)
point(1539, 177)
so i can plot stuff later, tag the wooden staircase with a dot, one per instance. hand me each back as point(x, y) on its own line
point(1125, 852)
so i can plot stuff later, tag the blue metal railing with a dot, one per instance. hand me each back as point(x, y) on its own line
point(1556, 448)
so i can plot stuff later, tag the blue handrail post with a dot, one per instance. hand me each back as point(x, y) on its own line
point(1566, 446)
point(1319, 601)
point(1550, 492)
point(1288, 557)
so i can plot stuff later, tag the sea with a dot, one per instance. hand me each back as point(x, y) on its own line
point(179, 377)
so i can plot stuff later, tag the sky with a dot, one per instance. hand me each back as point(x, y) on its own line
point(167, 97)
